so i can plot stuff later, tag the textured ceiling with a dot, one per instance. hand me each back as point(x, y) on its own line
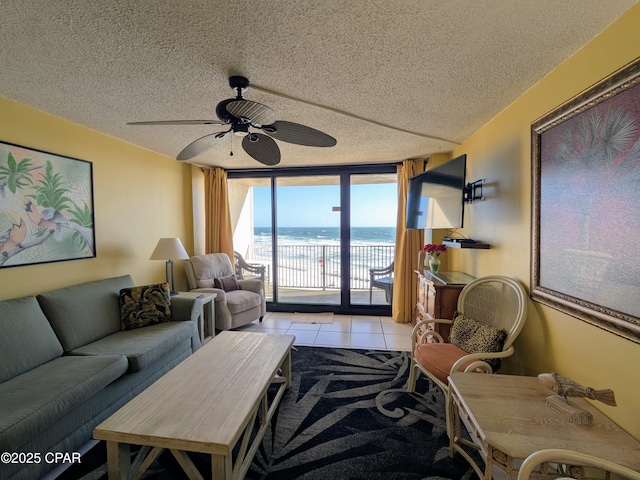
point(438, 68)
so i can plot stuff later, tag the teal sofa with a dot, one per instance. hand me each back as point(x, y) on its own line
point(66, 365)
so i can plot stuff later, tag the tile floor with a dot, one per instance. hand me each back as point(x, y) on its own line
point(346, 331)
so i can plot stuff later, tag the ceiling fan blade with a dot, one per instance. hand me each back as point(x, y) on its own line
point(200, 145)
point(255, 112)
point(299, 134)
point(261, 148)
point(179, 122)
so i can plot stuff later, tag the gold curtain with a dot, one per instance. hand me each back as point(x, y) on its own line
point(218, 231)
point(408, 244)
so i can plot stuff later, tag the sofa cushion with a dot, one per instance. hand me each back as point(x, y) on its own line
point(207, 268)
point(141, 346)
point(31, 401)
point(144, 305)
point(84, 313)
point(241, 300)
point(27, 339)
point(228, 284)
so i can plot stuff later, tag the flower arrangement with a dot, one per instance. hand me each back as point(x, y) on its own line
point(434, 249)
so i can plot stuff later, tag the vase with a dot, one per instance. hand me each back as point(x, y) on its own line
point(434, 265)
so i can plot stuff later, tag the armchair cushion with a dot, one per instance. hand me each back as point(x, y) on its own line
point(239, 301)
point(438, 358)
point(228, 284)
point(477, 337)
point(145, 305)
point(206, 268)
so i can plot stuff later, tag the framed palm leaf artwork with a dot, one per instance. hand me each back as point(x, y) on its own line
point(46, 207)
point(585, 216)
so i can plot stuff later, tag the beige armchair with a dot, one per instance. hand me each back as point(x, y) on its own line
point(238, 302)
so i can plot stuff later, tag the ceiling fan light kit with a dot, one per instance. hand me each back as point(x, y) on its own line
point(243, 114)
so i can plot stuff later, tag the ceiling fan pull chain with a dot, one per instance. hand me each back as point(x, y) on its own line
point(231, 153)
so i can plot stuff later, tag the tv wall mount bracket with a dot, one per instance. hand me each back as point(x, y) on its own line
point(473, 191)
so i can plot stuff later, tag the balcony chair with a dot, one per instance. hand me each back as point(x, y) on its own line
point(238, 301)
point(255, 270)
point(381, 278)
point(491, 312)
point(573, 458)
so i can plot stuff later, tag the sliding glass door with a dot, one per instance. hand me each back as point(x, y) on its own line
point(323, 236)
point(374, 206)
point(307, 215)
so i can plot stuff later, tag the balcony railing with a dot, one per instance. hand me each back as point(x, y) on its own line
point(318, 266)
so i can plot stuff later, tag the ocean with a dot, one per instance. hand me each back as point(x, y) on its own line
point(326, 235)
point(310, 256)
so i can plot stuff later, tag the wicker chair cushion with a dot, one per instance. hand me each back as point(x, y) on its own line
point(145, 305)
point(438, 358)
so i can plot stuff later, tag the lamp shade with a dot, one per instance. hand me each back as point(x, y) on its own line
point(169, 249)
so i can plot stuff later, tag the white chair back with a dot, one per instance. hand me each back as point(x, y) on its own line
point(570, 457)
point(497, 301)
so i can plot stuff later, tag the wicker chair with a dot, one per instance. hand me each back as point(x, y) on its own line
point(487, 306)
point(572, 458)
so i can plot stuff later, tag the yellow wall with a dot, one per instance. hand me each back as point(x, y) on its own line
point(139, 197)
point(501, 153)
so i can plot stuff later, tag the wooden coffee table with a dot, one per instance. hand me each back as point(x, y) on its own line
point(508, 421)
point(206, 404)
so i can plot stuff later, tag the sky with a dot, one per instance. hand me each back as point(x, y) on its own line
point(372, 205)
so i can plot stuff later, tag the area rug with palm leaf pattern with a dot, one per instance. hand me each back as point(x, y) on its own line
point(347, 415)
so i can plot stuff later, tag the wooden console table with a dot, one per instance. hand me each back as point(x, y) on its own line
point(508, 421)
point(438, 296)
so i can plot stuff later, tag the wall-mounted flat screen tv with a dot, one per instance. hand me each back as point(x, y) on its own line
point(436, 197)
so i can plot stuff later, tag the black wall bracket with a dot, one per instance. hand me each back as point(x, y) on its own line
point(473, 191)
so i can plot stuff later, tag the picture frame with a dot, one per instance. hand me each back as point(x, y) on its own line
point(46, 207)
point(585, 221)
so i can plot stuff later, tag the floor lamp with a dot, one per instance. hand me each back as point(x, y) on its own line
point(169, 249)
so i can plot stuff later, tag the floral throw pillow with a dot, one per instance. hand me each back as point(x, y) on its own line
point(145, 305)
point(475, 337)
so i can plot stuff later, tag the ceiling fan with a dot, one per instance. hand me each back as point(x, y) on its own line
point(240, 115)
